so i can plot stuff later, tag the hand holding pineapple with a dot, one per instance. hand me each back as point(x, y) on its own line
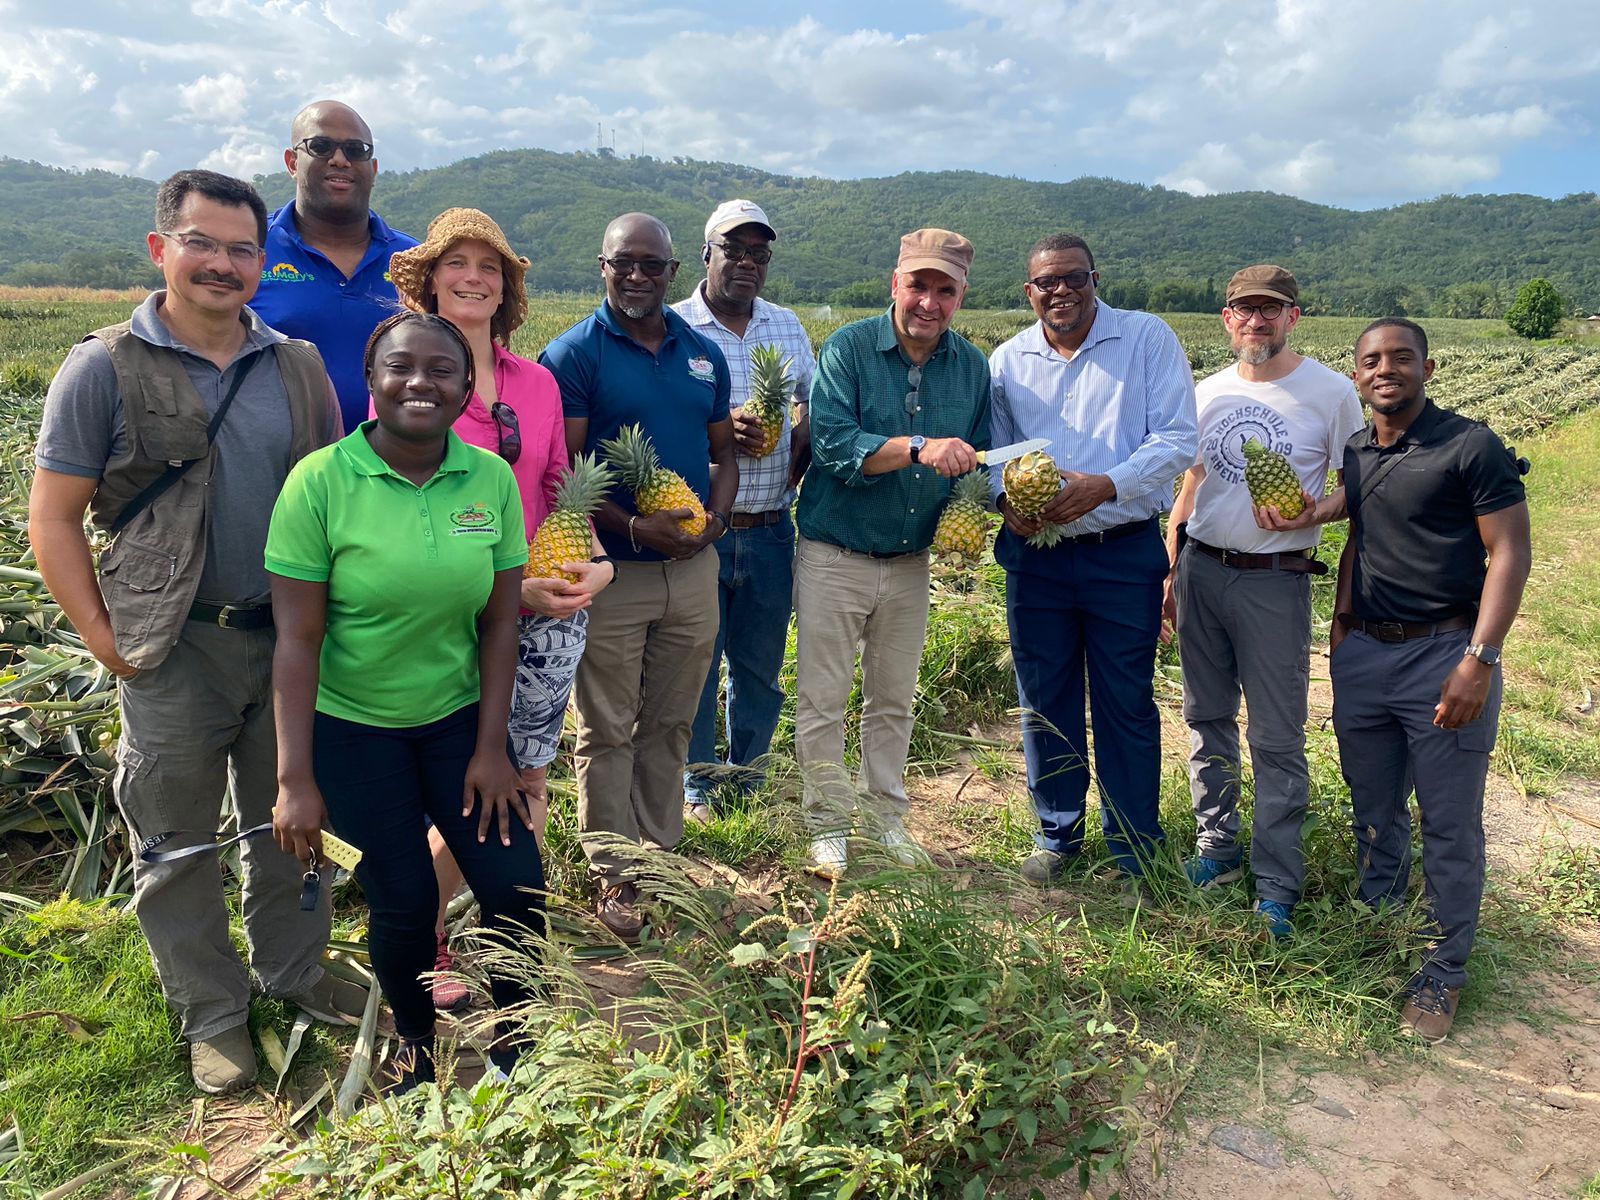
point(758, 423)
point(1276, 495)
point(559, 579)
point(671, 519)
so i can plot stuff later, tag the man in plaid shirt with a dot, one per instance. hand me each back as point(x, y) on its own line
point(756, 579)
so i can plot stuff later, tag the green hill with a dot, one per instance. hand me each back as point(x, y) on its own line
point(1453, 256)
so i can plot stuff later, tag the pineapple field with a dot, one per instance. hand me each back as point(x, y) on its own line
point(996, 1044)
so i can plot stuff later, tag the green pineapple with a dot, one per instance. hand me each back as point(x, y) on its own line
point(564, 535)
point(771, 386)
point(963, 529)
point(1272, 480)
point(654, 487)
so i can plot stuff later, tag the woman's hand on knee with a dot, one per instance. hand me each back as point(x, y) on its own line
point(492, 778)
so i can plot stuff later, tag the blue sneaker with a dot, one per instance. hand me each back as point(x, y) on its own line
point(1276, 914)
point(1206, 872)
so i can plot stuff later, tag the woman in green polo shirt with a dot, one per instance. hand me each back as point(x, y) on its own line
point(396, 558)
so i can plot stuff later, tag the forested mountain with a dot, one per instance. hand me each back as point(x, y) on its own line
point(1156, 248)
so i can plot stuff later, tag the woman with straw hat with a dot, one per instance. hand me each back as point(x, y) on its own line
point(467, 273)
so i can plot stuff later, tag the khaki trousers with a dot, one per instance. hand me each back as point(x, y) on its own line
point(651, 634)
point(195, 728)
point(847, 603)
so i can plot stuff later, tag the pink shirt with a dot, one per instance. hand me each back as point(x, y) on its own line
point(532, 393)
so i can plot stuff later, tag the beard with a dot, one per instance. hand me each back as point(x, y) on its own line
point(1389, 408)
point(1256, 353)
point(638, 312)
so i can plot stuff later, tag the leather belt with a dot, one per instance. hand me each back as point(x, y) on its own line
point(232, 616)
point(1404, 631)
point(1115, 533)
point(758, 520)
point(1299, 561)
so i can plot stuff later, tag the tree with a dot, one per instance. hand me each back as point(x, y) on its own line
point(1537, 310)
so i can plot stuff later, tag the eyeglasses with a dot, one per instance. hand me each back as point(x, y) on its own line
point(198, 245)
point(1270, 311)
point(1073, 280)
point(653, 267)
point(914, 396)
point(734, 252)
point(355, 150)
point(510, 433)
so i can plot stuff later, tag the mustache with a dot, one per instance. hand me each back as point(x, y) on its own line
point(232, 281)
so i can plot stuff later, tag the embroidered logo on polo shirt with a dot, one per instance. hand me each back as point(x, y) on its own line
point(286, 273)
point(701, 368)
point(475, 518)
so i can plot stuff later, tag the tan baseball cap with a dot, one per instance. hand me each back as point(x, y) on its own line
point(731, 214)
point(935, 249)
point(1264, 280)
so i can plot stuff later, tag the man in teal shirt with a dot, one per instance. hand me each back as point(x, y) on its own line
point(899, 407)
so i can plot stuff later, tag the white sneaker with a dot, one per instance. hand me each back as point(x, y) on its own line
point(902, 847)
point(827, 858)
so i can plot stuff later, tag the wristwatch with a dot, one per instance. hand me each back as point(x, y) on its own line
point(1486, 654)
point(917, 443)
point(726, 524)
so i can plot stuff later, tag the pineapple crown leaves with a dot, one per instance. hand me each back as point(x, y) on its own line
point(585, 484)
point(769, 371)
point(633, 454)
point(972, 488)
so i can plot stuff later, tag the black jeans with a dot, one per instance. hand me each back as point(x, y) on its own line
point(381, 787)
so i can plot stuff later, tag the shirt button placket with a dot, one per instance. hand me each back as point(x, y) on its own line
point(427, 526)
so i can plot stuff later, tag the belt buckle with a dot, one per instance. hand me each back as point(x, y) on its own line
point(225, 616)
point(1231, 558)
point(1387, 631)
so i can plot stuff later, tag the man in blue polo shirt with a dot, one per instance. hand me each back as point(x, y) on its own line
point(326, 276)
point(651, 633)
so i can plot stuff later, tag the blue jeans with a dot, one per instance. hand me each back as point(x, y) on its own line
point(1095, 609)
point(755, 587)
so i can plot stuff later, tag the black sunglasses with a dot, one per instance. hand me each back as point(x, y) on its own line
point(734, 252)
point(914, 396)
point(653, 267)
point(510, 433)
point(1072, 280)
point(355, 150)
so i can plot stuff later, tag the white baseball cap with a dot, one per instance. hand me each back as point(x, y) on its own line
point(733, 213)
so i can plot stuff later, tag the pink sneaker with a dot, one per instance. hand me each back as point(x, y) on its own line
point(448, 994)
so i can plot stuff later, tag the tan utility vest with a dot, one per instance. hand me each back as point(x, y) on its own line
point(150, 573)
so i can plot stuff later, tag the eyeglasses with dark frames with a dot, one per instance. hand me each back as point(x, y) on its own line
point(734, 252)
point(510, 433)
point(197, 245)
point(355, 150)
point(1270, 311)
point(653, 267)
point(914, 396)
point(1072, 280)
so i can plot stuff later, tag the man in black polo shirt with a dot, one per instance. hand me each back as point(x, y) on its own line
point(1415, 646)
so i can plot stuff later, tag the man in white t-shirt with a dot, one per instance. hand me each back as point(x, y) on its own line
point(1240, 589)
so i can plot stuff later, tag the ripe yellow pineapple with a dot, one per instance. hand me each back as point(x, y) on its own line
point(564, 535)
point(1030, 483)
point(1272, 480)
point(963, 529)
point(654, 487)
point(771, 386)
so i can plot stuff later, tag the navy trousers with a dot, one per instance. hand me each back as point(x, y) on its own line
point(1090, 610)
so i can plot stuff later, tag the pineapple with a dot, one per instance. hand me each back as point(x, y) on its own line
point(1030, 483)
point(771, 386)
point(654, 487)
point(1272, 480)
point(564, 535)
point(963, 531)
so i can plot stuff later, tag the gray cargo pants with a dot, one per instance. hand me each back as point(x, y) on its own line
point(194, 727)
point(1247, 630)
point(1384, 695)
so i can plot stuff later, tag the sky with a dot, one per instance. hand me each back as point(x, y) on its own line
point(1355, 103)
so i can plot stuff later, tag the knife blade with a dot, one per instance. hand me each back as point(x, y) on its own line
point(1000, 454)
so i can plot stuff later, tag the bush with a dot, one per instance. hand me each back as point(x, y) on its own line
point(1537, 310)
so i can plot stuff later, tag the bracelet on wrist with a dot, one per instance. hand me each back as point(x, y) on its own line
point(631, 539)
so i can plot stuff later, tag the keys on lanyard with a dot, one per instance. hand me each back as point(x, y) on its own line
point(310, 887)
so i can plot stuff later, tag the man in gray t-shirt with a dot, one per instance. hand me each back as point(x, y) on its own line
point(185, 627)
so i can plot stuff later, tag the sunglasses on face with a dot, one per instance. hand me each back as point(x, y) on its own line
point(355, 150)
point(510, 433)
point(1072, 281)
point(653, 267)
point(734, 252)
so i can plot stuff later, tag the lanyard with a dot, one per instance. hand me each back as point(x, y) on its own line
point(150, 852)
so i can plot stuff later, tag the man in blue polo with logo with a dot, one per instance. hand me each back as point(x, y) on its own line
point(326, 277)
point(652, 632)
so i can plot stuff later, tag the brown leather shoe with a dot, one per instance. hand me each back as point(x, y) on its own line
point(224, 1063)
point(1430, 1010)
point(618, 910)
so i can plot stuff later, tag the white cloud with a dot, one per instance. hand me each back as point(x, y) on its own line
point(1367, 101)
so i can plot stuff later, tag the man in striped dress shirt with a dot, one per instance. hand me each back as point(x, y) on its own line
point(756, 573)
point(1113, 392)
